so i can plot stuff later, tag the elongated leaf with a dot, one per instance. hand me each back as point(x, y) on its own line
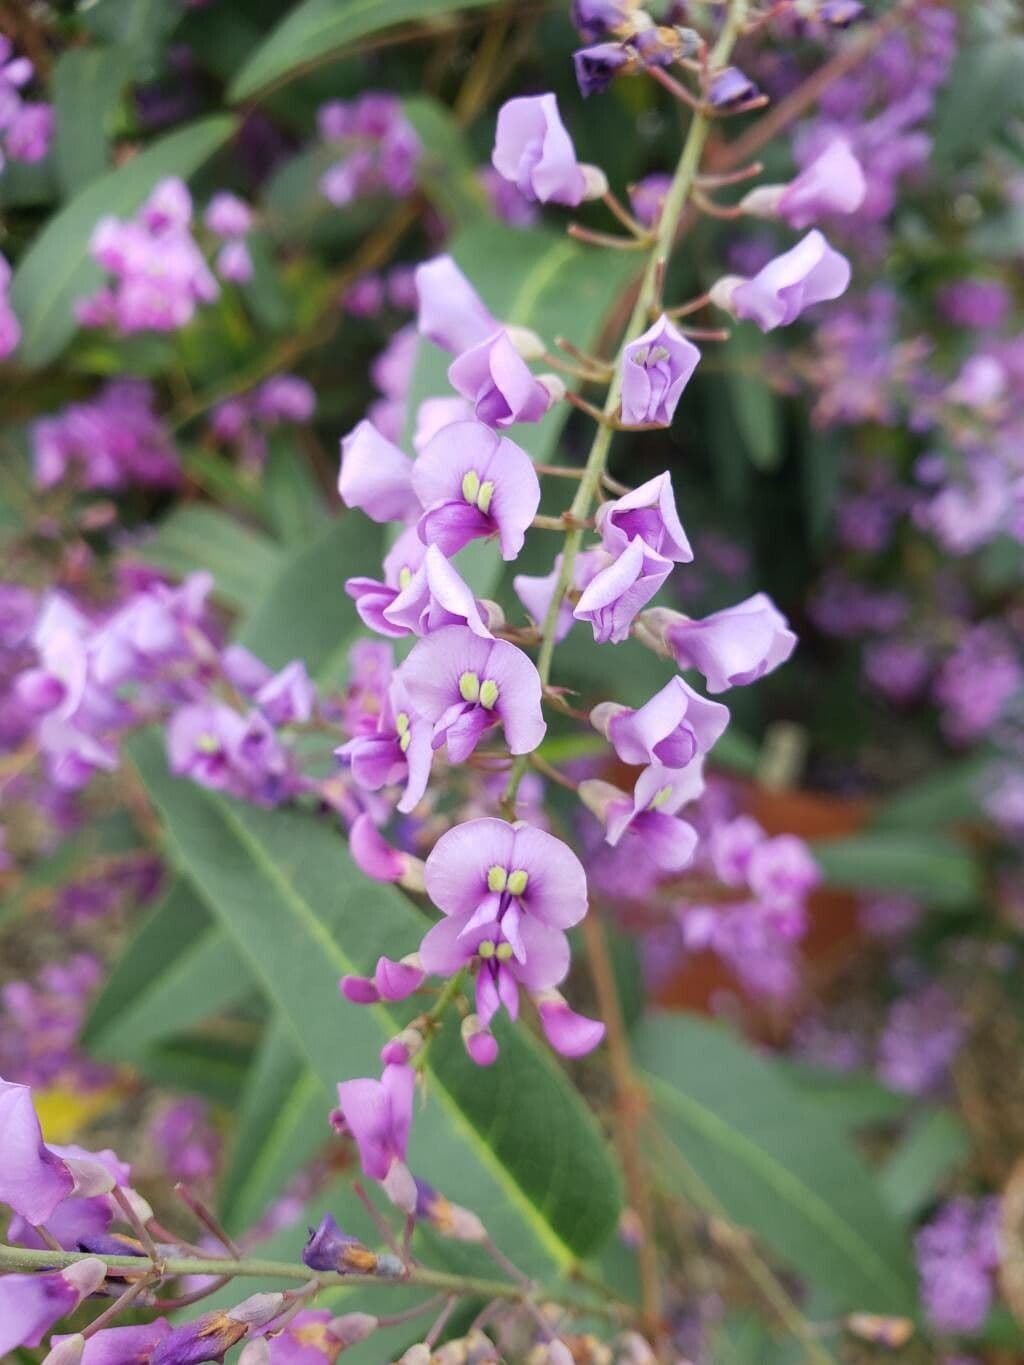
point(295, 504)
point(280, 1125)
point(774, 1163)
point(87, 85)
point(138, 26)
point(244, 563)
point(950, 795)
point(922, 865)
point(514, 1142)
point(754, 405)
point(932, 1147)
point(986, 90)
point(56, 270)
point(215, 1068)
point(318, 30)
point(305, 613)
point(446, 172)
point(855, 1099)
point(179, 969)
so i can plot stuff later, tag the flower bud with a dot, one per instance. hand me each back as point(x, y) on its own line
point(400, 1187)
point(479, 1042)
point(598, 795)
point(258, 1309)
point(595, 181)
point(526, 341)
point(67, 1352)
point(416, 1355)
point(554, 386)
point(352, 1328)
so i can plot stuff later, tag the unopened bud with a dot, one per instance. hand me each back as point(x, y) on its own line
point(597, 796)
point(85, 1276)
point(401, 1049)
point(412, 878)
point(143, 1211)
point(602, 715)
point(400, 1187)
point(66, 1352)
point(632, 1349)
point(763, 201)
point(494, 617)
point(478, 1041)
point(352, 1328)
point(416, 1355)
point(554, 386)
point(258, 1309)
point(595, 181)
point(529, 345)
point(721, 292)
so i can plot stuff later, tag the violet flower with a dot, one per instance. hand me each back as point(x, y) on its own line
point(328, 1248)
point(569, 1033)
point(10, 328)
point(373, 597)
point(378, 1114)
point(398, 749)
point(730, 87)
point(594, 19)
point(289, 696)
point(536, 593)
point(598, 65)
point(119, 1345)
point(649, 818)
point(533, 151)
point(373, 855)
point(493, 376)
point(376, 476)
point(810, 272)
point(656, 367)
point(31, 1304)
point(832, 183)
point(228, 216)
point(433, 597)
point(613, 596)
point(731, 647)
point(472, 482)
point(451, 313)
point(33, 1182)
point(464, 685)
point(508, 893)
point(434, 414)
point(672, 729)
point(212, 1335)
point(648, 512)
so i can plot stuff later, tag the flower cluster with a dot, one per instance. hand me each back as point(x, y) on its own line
point(380, 148)
point(957, 1257)
point(243, 423)
point(26, 126)
point(114, 441)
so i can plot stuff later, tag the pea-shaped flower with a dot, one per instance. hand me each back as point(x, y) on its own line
point(471, 482)
point(495, 378)
point(398, 748)
point(376, 476)
point(464, 685)
point(533, 151)
point(810, 272)
point(650, 513)
point(373, 597)
point(656, 368)
point(832, 183)
point(31, 1304)
point(451, 313)
point(613, 597)
point(508, 893)
point(378, 1114)
point(731, 647)
point(672, 728)
point(433, 597)
point(648, 820)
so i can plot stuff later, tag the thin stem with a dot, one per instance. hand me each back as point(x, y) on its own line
point(122, 1302)
point(626, 218)
point(594, 238)
point(549, 771)
point(208, 1220)
point(141, 1232)
point(30, 1258)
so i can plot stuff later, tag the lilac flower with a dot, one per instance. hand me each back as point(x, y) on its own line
point(810, 272)
point(506, 201)
point(655, 832)
point(212, 1335)
point(373, 855)
point(391, 980)
point(656, 367)
point(731, 647)
point(434, 414)
point(832, 183)
point(397, 749)
point(569, 1033)
point(472, 482)
point(33, 1181)
point(203, 743)
point(957, 1257)
point(328, 1248)
point(376, 476)
point(647, 197)
point(494, 377)
point(113, 441)
point(922, 1035)
point(31, 1304)
point(374, 598)
point(650, 513)
point(508, 893)
point(451, 313)
point(234, 263)
point(464, 685)
point(188, 1144)
point(435, 596)
point(382, 148)
point(228, 216)
point(616, 593)
point(122, 1345)
point(378, 1114)
point(284, 398)
point(594, 19)
point(533, 150)
point(672, 728)
point(536, 593)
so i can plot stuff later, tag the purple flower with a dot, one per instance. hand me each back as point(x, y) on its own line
point(533, 150)
point(289, 696)
point(957, 1256)
point(672, 728)
point(434, 414)
point(648, 512)
point(597, 66)
point(922, 1036)
point(10, 328)
point(378, 1114)
point(113, 441)
point(31, 1304)
point(505, 200)
point(123, 1345)
point(464, 685)
point(832, 183)
point(730, 87)
point(656, 367)
point(508, 893)
point(595, 19)
point(451, 313)
point(328, 1248)
point(810, 272)
point(494, 377)
point(435, 596)
point(227, 215)
point(30, 132)
point(372, 854)
point(732, 647)
point(571, 1034)
point(647, 197)
point(536, 593)
point(648, 820)
point(373, 598)
point(376, 476)
point(472, 482)
point(203, 743)
point(211, 1336)
point(613, 596)
point(33, 1181)
point(234, 263)
point(398, 748)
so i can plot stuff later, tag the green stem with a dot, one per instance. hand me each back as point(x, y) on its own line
point(668, 227)
point(29, 1259)
point(433, 1015)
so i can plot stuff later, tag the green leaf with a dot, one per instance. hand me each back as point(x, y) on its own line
point(985, 90)
point(215, 1068)
point(936, 869)
point(294, 501)
point(747, 1143)
point(87, 85)
point(178, 969)
point(316, 31)
point(949, 796)
point(244, 563)
point(280, 1126)
point(305, 613)
point(855, 1099)
point(931, 1148)
point(753, 403)
point(57, 270)
point(515, 1142)
point(445, 171)
point(139, 27)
